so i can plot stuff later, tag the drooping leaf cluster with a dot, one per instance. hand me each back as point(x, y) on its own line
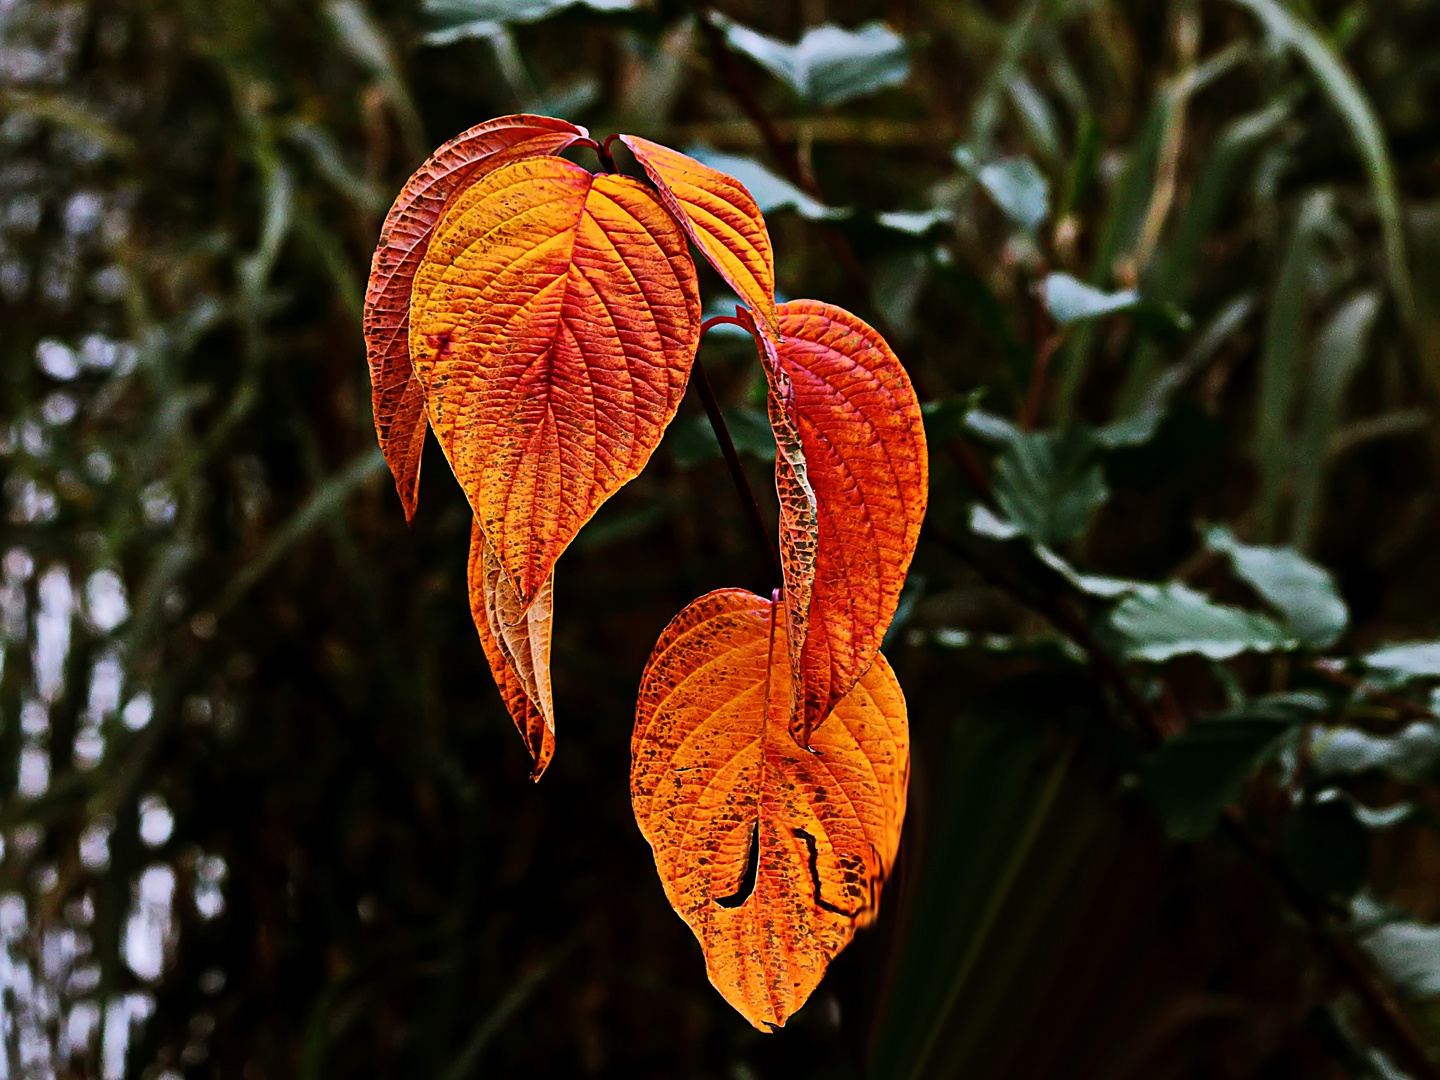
point(542, 320)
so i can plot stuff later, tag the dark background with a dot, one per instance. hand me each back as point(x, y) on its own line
point(190, 191)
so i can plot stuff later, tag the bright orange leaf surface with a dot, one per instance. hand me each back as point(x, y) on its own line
point(714, 771)
point(399, 404)
point(553, 322)
point(516, 641)
point(721, 217)
point(863, 443)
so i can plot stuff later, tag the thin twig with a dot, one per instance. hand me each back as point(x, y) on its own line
point(1384, 697)
point(737, 469)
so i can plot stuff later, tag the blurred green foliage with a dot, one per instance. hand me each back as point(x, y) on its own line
point(1165, 273)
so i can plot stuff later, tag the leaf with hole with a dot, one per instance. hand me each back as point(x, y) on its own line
point(397, 398)
point(772, 855)
point(553, 323)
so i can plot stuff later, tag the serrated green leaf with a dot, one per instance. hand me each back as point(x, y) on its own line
point(1301, 591)
point(1175, 620)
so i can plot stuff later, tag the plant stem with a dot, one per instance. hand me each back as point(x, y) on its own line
point(732, 459)
point(602, 151)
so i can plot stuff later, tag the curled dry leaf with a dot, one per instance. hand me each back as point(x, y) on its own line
point(772, 855)
point(516, 640)
point(722, 218)
point(553, 322)
point(799, 528)
point(863, 442)
point(398, 402)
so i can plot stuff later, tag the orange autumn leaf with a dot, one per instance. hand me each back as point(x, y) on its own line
point(516, 641)
point(772, 855)
point(720, 215)
point(398, 403)
point(553, 322)
point(863, 442)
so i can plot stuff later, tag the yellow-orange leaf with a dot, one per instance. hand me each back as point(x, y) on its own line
point(720, 215)
point(398, 403)
point(863, 443)
point(772, 855)
point(553, 322)
point(516, 641)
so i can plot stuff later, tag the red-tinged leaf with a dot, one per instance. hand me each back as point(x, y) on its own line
point(799, 515)
point(863, 442)
point(553, 323)
point(713, 770)
point(721, 217)
point(399, 404)
point(516, 640)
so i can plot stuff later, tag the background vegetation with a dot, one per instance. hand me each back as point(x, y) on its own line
point(1165, 273)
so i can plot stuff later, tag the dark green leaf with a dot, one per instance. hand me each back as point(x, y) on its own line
point(1326, 848)
point(1050, 484)
point(945, 419)
point(1395, 665)
point(1017, 187)
point(453, 20)
point(1174, 620)
point(1301, 591)
point(1196, 774)
point(1340, 350)
point(1408, 952)
point(829, 65)
point(1411, 754)
point(1069, 300)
